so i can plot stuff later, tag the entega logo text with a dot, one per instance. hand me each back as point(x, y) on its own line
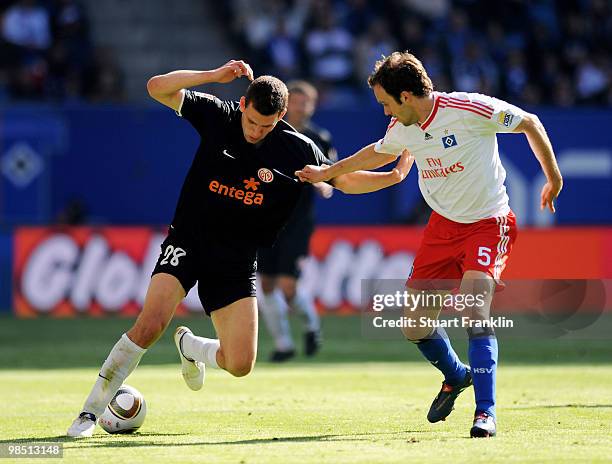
point(248, 196)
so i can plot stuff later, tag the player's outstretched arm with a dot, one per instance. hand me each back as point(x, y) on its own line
point(542, 149)
point(168, 88)
point(364, 159)
point(367, 181)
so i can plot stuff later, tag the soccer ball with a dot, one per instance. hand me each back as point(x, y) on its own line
point(125, 413)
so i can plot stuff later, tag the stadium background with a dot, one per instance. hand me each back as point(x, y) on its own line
point(81, 144)
point(90, 167)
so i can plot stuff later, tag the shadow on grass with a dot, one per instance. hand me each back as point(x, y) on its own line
point(101, 441)
point(562, 406)
point(66, 439)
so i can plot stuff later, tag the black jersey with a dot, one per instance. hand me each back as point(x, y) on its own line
point(305, 209)
point(235, 190)
point(323, 139)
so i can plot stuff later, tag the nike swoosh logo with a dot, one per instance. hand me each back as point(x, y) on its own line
point(227, 154)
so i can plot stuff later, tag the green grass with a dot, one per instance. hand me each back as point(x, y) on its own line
point(360, 401)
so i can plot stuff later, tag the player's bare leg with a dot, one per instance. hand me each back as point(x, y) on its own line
point(431, 312)
point(236, 348)
point(236, 326)
point(483, 351)
point(274, 311)
point(163, 296)
point(436, 348)
point(304, 306)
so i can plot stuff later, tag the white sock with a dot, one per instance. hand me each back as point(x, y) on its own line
point(305, 306)
point(121, 361)
point(274, 312)
point(201, 349)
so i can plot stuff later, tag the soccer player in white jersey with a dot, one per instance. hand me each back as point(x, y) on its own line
point(472, 229)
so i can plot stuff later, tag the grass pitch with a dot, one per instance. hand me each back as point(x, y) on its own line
point(360, 401)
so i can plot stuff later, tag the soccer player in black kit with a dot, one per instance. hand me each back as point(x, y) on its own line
point(238, 194)
point(279, 266)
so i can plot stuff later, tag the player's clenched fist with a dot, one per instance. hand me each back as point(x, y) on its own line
point(313, 174)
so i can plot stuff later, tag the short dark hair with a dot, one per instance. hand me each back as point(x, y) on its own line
point(268, 95)
point(399, 72)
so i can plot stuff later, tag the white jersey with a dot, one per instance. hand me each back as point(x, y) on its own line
point(460, 174)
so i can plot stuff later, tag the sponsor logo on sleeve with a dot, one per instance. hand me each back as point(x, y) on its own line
point(505, 119)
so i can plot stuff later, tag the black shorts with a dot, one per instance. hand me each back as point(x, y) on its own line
point(225, 271)
point(291, 246)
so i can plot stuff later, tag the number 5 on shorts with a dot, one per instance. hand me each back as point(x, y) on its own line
point(484, 255)
point(176, 254)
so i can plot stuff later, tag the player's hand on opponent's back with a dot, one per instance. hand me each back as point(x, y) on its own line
point(313, 174)
point(549, 194)
point(231, 70)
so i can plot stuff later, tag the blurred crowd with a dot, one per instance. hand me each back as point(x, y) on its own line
point(551, 52)
point(46, 53)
